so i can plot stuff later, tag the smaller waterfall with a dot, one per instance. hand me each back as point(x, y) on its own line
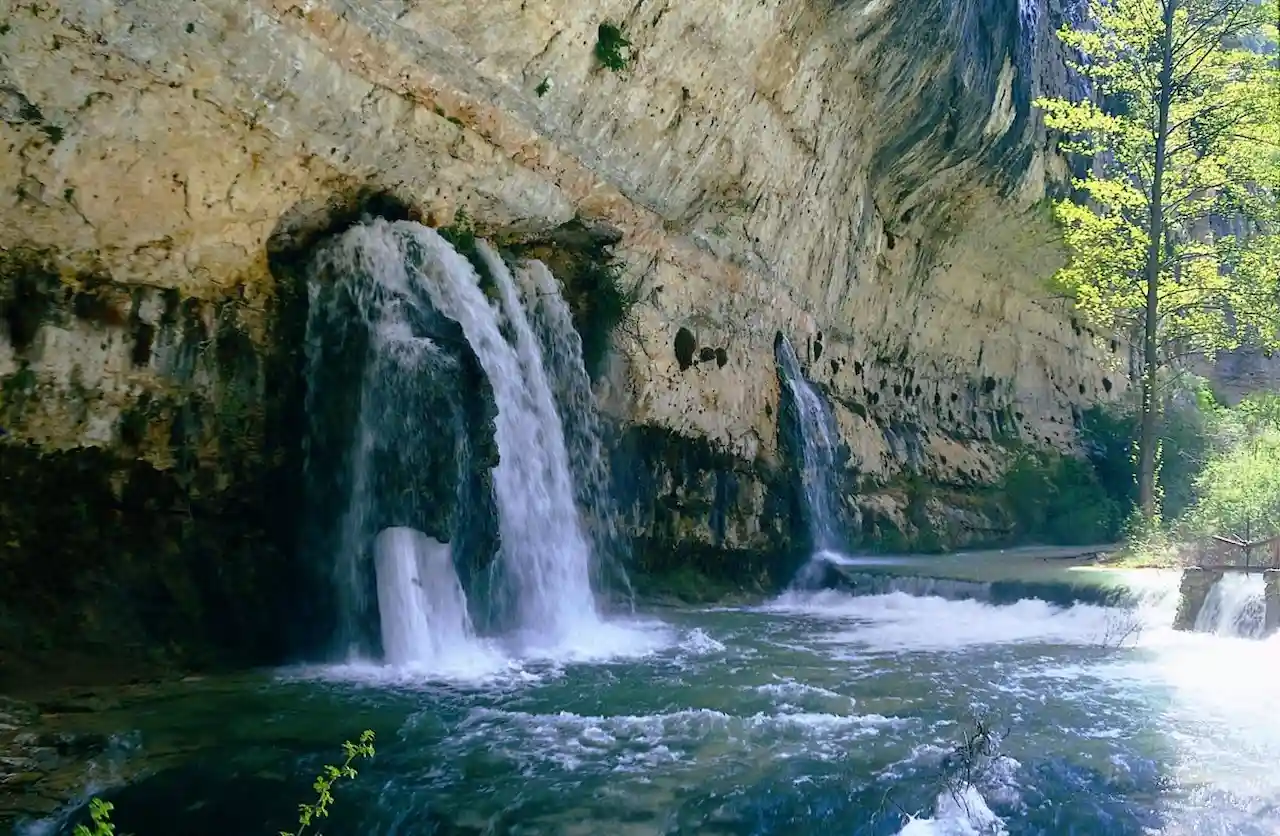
point(1234, 607)
point(421, 604)
point(562, 355)
point(818, 440)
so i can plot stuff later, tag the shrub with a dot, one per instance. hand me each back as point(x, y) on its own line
point(461, 235)
point(612, 47)
point(601, 306)
point(1060, 499)
point(1238, 490)
point(593, 284)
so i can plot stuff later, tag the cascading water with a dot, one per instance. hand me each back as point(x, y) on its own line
point(421, 605)
point(1234, 607)
point(415, 274)
point(562, 357)
point(818, 439)
point(361, 330)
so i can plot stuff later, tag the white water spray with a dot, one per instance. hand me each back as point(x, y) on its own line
point(421, 605)
point(818, 437)
point(1234, 607)
point(567, 371)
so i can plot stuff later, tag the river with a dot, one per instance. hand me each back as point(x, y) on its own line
point(814, 713)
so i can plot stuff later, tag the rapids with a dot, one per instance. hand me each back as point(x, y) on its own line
point(811, 713)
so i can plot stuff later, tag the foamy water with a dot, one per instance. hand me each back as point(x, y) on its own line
point(812, 714)
point(502, 661)
point(1217, 692)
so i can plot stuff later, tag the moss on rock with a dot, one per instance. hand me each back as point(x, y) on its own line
point(697, 510)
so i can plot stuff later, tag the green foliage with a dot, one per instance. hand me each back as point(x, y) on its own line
point(1060, 499)
point(308, 813)
point(1188, 133)
point(1184, 434)
point(613, 50)
point(601, 305)
point(461, 235)
point(1238, 491)
point(1219, 145)
point(543, 87)
point(100, 816)
point(100, 811)
point(593, 284)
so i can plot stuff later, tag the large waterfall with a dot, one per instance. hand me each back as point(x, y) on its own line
point(403, 279)
point(818, 440)
point(373, 381)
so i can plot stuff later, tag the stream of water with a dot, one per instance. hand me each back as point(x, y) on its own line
point(813, 713)
point(816, 428)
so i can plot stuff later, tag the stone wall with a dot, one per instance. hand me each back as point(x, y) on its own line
point(861, 177)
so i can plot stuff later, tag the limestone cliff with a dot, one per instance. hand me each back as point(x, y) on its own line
point(862, 177)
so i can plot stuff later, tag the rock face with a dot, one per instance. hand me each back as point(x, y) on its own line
point(861, 177)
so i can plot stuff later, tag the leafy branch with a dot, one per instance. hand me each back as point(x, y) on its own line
point(100, 810)
point(307, 813)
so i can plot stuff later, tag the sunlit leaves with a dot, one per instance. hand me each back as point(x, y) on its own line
point(331, 774)
point(100, 817)
point(1218, 260)
point(1238, 491)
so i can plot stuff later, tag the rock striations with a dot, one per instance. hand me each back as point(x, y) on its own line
point(864, 178)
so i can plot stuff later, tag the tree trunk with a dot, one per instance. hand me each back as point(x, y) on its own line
point(1147, 439)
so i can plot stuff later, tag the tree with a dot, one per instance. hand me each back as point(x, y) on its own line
point(1171, 234)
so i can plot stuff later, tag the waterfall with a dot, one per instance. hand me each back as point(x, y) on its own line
point(421, 605)
point(413, 274)
point(1234, 607)
point(363, 452)
point(562, 356)
point(818, 439)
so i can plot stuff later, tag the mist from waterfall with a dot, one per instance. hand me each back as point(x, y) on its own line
point(818, 440)
point(405, 274)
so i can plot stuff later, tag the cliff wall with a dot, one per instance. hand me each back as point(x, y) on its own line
point(861, 177)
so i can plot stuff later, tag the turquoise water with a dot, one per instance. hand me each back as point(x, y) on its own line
point(813, 714)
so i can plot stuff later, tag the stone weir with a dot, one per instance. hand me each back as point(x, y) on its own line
point(865, 178)
point(1198, 582)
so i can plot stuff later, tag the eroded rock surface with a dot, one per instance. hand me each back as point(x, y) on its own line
point(861, 177)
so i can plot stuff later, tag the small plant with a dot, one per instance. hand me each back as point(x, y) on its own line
point(543, 87)
point(100, 816)
point(100, 811)
point(1123, 626)
point(602, 304)
point(973, 756)
point(967, 764)
point(461, 235)
point(613, 50)
point(307, 813)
